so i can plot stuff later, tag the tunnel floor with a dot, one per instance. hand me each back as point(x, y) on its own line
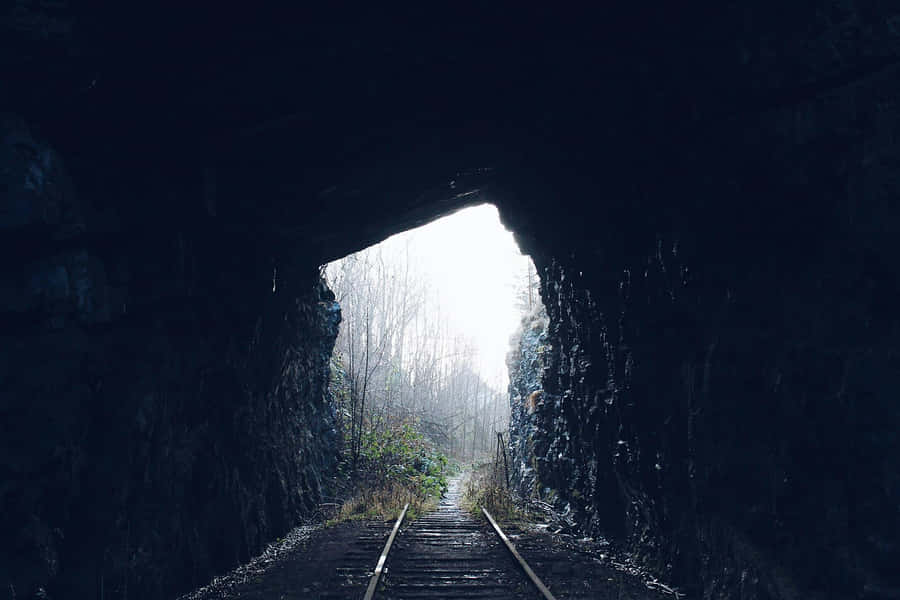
point(337, 562)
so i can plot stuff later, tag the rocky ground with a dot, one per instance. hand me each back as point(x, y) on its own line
point(311, 562)
point(584, 567)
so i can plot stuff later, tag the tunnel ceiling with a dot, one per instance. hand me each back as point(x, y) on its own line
point(292, 116)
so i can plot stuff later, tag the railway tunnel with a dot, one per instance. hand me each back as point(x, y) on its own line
point(709, 198)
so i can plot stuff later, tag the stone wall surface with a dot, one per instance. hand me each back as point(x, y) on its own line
point(162, 418)
point(720, 392)
point(525, 362)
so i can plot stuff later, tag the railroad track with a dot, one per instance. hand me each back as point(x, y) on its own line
point(446, 554)
point(449, 554)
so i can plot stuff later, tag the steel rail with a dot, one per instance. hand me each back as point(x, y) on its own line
point(373, 582)
point(512, 549)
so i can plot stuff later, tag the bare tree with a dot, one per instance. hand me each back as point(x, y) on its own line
point(402, 359)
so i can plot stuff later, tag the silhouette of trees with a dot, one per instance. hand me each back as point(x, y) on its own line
point(398, 359)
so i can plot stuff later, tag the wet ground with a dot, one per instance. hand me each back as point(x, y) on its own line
point(444, 554)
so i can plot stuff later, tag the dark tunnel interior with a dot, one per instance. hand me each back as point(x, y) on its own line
point(708, 193)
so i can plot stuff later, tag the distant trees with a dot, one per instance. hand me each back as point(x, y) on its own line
point(528, 295)
point(397, 358)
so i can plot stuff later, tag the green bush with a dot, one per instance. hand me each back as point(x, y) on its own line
point(396, 464)
point(397, 453)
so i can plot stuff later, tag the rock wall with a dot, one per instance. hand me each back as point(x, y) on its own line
point(162, 395)
point(722, 376)
point(729, 409)
point(525, 363)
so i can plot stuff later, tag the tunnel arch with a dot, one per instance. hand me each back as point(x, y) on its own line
point(709, 197)
point(655, 319)
point(662, 312)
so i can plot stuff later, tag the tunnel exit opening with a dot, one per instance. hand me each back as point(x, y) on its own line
point(428, 319)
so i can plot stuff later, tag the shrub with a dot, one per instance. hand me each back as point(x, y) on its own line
point(396, 464)
point(484, 487)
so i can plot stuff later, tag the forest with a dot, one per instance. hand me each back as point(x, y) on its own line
point(407, 385)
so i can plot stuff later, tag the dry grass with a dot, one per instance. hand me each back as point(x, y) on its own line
point(384, 502)
point(484, 487)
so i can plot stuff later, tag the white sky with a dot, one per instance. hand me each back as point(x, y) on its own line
point(473, 263)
